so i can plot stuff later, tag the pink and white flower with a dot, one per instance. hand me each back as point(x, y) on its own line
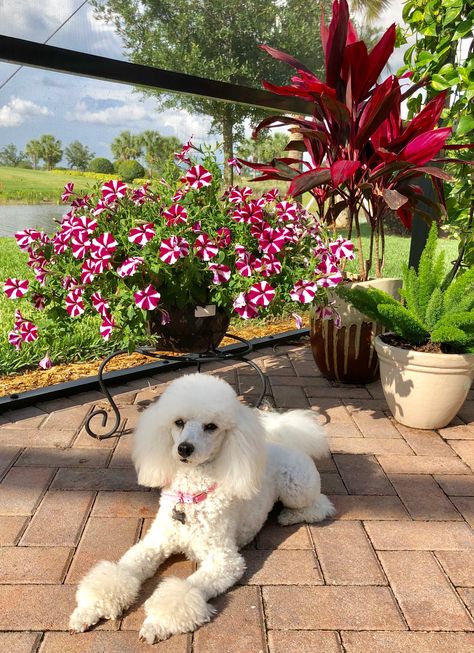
point(197, 176)
point(304, 291)
point(235, 163)
point(40, 275)
point(15, 288)
point(26, 237)
point(142, 234)
point(104, 246)
point(28, 331)
point(130, 266)
point(75, 303)
point(80, 244)
point(221, 273)
point(176, 214)
point(342, 248)
point(269, 265)
point(68, 191)
point(38, 301)
point(286, 211)
point(224, 237)
point(99, 303)
point(173, 248)
point(196, 227)
point(249, 212)
point(298, 320)
point(261, 294)
point(45, 363)
point(246, 309)
point(15, 340)
point(60, 243)
point(148, 298)
point(68, 282)
point(140, 195)
point(272, 195)
point(82, 222)
point(107, 326)
point(88, 271)
point(245, 265)
point(328, 313)
point(113, 190)
point(238, 195)
point(272, 240)
point(332, 275)
point(205, 248)
point(99, 208)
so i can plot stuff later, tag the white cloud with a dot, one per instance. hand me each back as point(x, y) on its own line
point(17, 111)
point(124, 115)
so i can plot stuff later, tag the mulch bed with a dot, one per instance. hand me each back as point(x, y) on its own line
point(32, 379)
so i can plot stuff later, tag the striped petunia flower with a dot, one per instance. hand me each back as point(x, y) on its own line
point(107, 326)
point(130, 266)
point(82, 222)
point(271, 241)
point(67, 192)
point(304, 291)
point(269, 265)
point(205, 248)
point(60, 243)
point(261, 294)
point(28, 331)
point(272, 195)
point(198, 176)
point(74, 302)
point(99, 303)
point(148, 298)
point(113, 190)
point(238, 195)
point(80, 244)
point(342, 248)
point(26, 237)
point(99, 208)
point(142, 235)
point(15, 288)
point(224, 237)
point(45, 363)
point(221, 273)
point(104, 246)
point(245, 265)
point(176, 214)
point(88, 271)
point(235, 163)
point(246, 309)
point(286, 211)
point(173, 248)
point(38, 301)
point(15, 340)
point(298, 320)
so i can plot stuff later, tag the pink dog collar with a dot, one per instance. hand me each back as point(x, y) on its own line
point(183, 497)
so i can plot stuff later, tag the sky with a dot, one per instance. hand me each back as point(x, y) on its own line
point(36, 102)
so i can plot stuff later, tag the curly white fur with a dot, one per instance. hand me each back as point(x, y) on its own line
point(256, 458)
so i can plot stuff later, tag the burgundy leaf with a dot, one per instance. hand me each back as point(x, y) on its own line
point(424, 147)
point(309, 180)
point(377, 59)
point(377, 110)
point(405, 216)
point(394, 199)
point(354, 68)
point(351, 33)
point(291, 91)
point(279, 121)
point(426, 120)
point(287, 58)
point(341, 171)
point(427, 170)
point(336, 41)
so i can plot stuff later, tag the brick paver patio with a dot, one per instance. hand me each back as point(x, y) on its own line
point(393, 572)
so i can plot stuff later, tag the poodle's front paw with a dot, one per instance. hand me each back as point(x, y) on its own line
point(152, 631)
point(83, 618)
point(176, 606)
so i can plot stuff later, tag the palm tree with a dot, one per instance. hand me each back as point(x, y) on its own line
point(51, 150)
point(126, 146)
point(34, 151)
point(372, 9)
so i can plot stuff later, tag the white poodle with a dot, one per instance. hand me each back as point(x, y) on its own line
point(222, 466)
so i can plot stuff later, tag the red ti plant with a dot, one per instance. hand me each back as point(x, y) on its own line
point(361, 156)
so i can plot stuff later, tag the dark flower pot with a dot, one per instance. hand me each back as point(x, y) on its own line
point(347, 354)
point(188, 333)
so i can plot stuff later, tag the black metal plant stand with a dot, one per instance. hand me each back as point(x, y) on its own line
point(210, 356)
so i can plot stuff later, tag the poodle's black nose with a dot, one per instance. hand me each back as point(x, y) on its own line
point(185, 449)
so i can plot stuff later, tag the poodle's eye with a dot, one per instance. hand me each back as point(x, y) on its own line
point(210, 427)
point(179, 423)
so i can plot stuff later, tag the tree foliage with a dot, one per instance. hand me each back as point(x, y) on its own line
point(78, 155)
point(33, 151)
point(10, 156)
point(443, 53)
point(158, 149)
point(218, 40)
point(263, 148)
point(126, 146)
point(51, 151)
point(102, 165)
point(130, 170)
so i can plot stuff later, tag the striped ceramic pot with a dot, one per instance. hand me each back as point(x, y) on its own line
point(347, 354)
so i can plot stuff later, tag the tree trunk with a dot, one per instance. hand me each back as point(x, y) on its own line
point(228, 136)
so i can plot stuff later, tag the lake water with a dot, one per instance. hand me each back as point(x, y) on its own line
point(15, 217)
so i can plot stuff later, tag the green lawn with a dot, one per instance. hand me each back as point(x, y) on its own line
point(35, 186)
point(81, 340)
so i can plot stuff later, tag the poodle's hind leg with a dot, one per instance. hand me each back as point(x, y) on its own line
point(109, 588)
point(299, 486)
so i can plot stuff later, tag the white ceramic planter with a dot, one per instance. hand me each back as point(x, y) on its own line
point(423, 390)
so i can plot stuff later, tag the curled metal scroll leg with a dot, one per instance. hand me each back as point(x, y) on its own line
point(262, 378)
point(101, 411)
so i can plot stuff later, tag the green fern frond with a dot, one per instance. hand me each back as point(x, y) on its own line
point(409, 290)
point(459, 295)
point(403, 322)
point(427, 280)
point(434, 310)
point(451, 335)
point(367, 301)
point(450, 327)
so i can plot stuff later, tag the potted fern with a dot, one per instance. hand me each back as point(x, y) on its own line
point(427, 355)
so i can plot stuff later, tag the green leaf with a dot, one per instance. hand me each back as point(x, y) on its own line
point(404, 323)
point(465, 125)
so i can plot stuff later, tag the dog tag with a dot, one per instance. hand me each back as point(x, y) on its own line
point(178, 515)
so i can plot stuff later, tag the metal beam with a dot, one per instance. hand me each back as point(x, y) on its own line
point(49, 57)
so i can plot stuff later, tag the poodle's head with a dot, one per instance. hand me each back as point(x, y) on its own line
point(199, 421)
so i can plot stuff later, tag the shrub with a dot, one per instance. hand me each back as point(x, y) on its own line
point(130, 170)
point(101, 164)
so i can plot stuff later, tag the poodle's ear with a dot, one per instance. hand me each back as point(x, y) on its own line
point(152, 449)
point(241, 463)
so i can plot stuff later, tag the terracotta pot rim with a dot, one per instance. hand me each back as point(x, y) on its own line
point(413, 359)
